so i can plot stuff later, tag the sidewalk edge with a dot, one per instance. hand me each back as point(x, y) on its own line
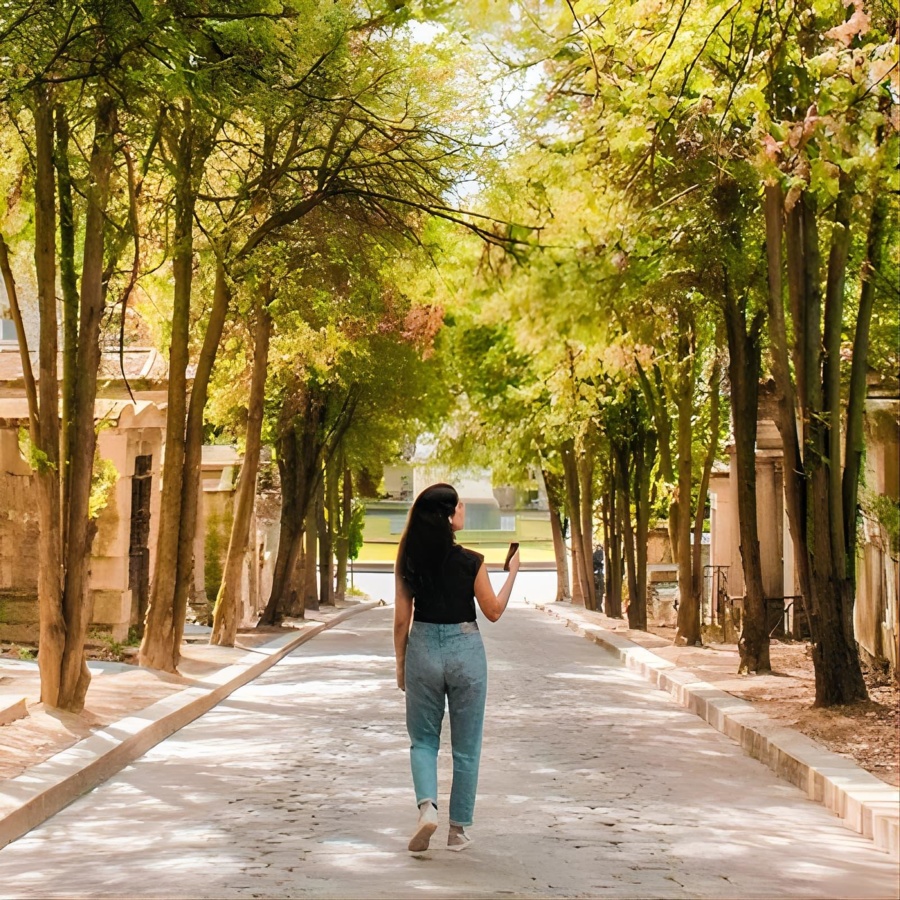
point(864, 803)
point(44, 789)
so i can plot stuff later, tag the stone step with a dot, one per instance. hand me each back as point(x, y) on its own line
point(10, 710)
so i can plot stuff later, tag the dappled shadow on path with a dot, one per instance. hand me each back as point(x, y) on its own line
point(593, 784)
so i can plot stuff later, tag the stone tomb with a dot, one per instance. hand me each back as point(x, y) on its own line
point(130, 438)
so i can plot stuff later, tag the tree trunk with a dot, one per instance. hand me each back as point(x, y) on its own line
point(52, 625)
point(555, 487)
point(626, 527)
point(560, 553)
point(342, 544)
point(856, 401)
point(31, 396)
point(643, 466)
point(839, 677)
point(227, 609)
point(585, 468)
point(835, 655)
point(333, 472)
point(688, 631)
point(310, 587)
point(604, 598)
point(298, 451)
point(612, 595)
point(831, 365)
point(326, 549)
point(703, 490)
point(304, 448)
point(744, 355)
point(69, 283)
point(50, 573)
point(654, 395)
point(156, 646)
point(288, 470)
point(573, 505)
point(77, 596)
point(794, 483)
point(293, 603)
point(193, 452)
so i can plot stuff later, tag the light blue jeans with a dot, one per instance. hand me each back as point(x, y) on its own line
point(446, 663)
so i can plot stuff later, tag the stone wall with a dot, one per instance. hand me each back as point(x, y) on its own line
point(19, 563)
point(114, 610)
point(877, 612)
point(135, 433)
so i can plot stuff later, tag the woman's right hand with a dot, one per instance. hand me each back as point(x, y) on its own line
point(514, 564)
point(401, 678)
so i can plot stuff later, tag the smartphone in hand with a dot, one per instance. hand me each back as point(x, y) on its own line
point(513, 547)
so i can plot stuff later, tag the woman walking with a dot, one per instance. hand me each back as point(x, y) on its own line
point(440, 654)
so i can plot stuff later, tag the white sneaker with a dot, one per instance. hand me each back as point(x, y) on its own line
point(428, 822)
point(458, 840)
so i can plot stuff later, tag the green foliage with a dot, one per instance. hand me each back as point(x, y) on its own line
point(886, 511)
point(34, 456)
point(357, 525)
point(215, 545)
point(104, 479)
point(613, 162)
point(114, 649)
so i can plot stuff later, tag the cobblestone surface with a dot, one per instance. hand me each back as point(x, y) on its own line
point(593, 785)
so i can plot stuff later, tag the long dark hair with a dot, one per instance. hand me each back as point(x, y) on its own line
point(427, 539)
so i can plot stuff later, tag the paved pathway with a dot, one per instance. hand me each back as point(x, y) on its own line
point(593, 785)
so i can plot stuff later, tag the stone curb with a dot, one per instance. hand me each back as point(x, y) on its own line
point(44, 789)
point(865, 804)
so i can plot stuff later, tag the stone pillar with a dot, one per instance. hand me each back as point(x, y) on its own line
point(769, 515)
point(109, 557)
point(730, 554)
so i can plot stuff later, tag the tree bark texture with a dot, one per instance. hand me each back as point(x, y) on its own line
point(712, 449)
point(77, 596)
point(831, 364)
point(744, 355)
point(305, 446)
point(554, 485)
point(819, 541)
point(69, 283)
point(612, 550)
point(50, 577)
point(193, 453)
point(290, 539)
point(226, 613)
point(573, 505)
point(856, 400)
point(326, 549)
point(31, 396)
point(626, 527)
point(644, 457)
point(344, 514)
point(309, 582)
point(794, 483)
point(688, 630)
point(302, 422)
point(585, 468)
point(156, 647)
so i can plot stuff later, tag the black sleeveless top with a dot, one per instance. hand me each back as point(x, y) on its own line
point(454, 599)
